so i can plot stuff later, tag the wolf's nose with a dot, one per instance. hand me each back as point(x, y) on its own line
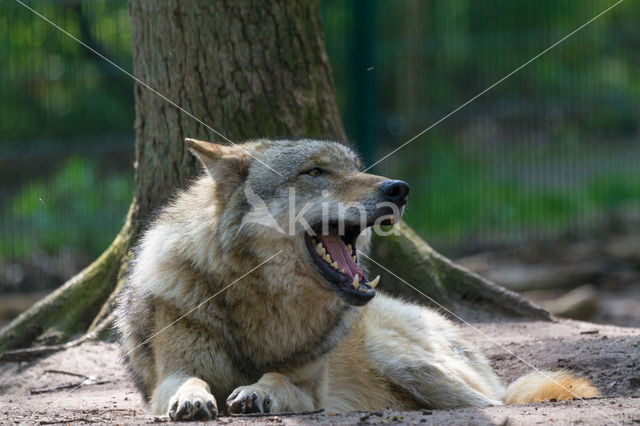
point(396, 191)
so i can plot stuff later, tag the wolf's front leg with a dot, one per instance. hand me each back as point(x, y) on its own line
point(183, 397)
point(273, 393)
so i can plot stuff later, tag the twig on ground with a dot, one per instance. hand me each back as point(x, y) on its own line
point(301, 413)
point(66, 386)
point(68, 373)
point(56, 422)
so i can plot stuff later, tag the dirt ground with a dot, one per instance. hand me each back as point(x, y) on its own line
point(42, 392)
point(608, 355)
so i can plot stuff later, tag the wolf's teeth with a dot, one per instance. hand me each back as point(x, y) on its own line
point(343, 271)
point(354, 258)
point(320, 249)
point(356, 282)
point(334, 265)
point(327, 258)
point(374, 283)
point(349, 248)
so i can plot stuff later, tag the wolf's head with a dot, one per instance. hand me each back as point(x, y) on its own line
point(308, 198)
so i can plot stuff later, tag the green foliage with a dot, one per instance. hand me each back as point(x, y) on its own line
point(463, 198)
point(553, 148)
point(54, 88)
point(430, 57)
point(614, 191)
point(79, 206)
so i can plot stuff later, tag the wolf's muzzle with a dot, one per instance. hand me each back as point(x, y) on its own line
point(396, 191)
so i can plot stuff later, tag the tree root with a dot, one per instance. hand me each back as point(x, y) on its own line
point(29, 354)
point(69, 310)
point(411, 258)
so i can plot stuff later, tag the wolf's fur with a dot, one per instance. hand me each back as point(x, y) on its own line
point(280, 339)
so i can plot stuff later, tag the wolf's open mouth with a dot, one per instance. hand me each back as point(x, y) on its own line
point(337, 260)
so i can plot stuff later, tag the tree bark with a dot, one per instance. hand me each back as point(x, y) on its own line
point(248, 69)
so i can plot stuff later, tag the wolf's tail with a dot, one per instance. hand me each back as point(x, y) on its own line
point(544, 386)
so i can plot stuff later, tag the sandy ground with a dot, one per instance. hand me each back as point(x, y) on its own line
point(608, 355)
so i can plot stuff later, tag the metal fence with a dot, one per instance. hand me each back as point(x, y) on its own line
point(553, 149)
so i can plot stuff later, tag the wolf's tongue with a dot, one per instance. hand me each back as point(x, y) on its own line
point(339, 253)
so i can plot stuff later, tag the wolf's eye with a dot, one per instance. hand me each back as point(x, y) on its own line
point(314, 172)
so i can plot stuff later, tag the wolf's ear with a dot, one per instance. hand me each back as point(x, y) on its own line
point(226, 164)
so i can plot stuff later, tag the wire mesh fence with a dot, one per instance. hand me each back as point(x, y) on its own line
point(551, 151)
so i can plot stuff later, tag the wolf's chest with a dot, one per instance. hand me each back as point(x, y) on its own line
point(279, 338)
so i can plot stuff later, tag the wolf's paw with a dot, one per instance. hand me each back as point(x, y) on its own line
point(251, 399)
point(192, 403)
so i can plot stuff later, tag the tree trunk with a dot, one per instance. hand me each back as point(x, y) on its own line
point(247, 69)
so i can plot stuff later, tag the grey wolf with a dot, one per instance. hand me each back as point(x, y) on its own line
point(306, 330)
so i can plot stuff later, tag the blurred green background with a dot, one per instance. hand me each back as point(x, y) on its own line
point(552, 151)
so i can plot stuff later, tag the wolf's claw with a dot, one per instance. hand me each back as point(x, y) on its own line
point(193, 406)
point(246, 401)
